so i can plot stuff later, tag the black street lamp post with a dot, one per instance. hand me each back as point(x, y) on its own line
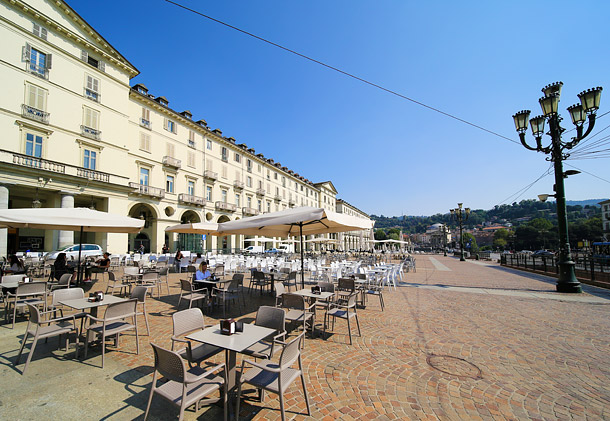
point(557, 151)
point(461, 215)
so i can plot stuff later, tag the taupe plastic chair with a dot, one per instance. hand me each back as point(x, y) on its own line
point(346, 312)
point(34, 293)
point(273, 377)
point(120, 284)
point(273, 318)
point(326, 287)
point(67, 294)
point(239, 277)
point(186, 322)
point(260, 280)
point(291, 280)
point(279, 291)
point(189, 294)
point(64, 282)
point(113, 324)
point(151, 281)
point(228, 292)
point(164, 275)
point(375, 287)
point(183, 387)
point(37, 330)
point(139, 293)
point(298, 310)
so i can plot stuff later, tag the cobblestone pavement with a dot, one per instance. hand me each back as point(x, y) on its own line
point(457, 340)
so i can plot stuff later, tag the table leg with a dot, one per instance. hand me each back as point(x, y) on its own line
point(230, 366)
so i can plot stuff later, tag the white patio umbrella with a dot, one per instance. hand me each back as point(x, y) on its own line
point(259, 239)
point(296, 221)
point(206, 228)
point(69, 219)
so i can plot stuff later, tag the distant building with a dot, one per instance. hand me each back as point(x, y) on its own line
point(605, 217)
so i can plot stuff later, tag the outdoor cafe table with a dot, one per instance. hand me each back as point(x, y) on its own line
point(232, 344)
point(322, 296)
point(84, 303)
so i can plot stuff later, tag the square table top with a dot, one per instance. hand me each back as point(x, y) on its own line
point(307, 293)
point(236, 342)
point(84, 303)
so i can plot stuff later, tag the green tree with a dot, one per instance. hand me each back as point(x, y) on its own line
point(501, 238)
point(469, 239)
point(380, 235)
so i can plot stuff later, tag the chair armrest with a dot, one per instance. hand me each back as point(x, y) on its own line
point(262, 367)
point(312, 305)
point(184, 341)
point(204, 374)
point(59, 319)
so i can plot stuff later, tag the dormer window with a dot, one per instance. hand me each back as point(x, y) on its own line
point(163, 101)
point(39, 31)
point(98, 64)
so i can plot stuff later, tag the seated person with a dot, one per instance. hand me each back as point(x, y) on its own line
point(197, 258)
point(102, 266)
point(16, 265)
point(203, 272)
point(60, 266)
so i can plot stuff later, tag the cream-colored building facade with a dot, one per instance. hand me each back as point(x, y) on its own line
point(75, 133)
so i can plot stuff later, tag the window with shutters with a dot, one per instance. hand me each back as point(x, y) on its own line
point(209, 164)
point(89, 159)
point(268, 207)
point(170, 125)
point(144, 176)
point(248, 181)
point(224, 154)
point(208, 193)
point(145, 119)
point(249, 201)
point(237, 157)
point(237, 200)
point(208, 144)
point(268, 188)
point(38, 62)
point(35, 105)
point(249, 165)
point(145, 142)
point(92, 88)
point(170, 149)
point(91, 121)
point(191, 139)
point(98, 64)
point(224, 172)
point(260, 205)
point(190, 159)
point(39, 31)
point(223, 195)
point(190, 188)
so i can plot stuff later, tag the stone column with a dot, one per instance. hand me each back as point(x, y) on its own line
point(3, 231)
point(66, 237)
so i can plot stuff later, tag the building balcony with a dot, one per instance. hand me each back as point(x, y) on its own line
point(38, 163)
point(171, 162)
point(93, 175)
point(91, 133)
point(238, 185)
point(189, 199)
point(260, 192)
point(249, 211)
point(277, 198)
point(145, 190)
point(291, 202)
point(145, 123)
point(34, 114)
point(210, 175)
point(224, 206)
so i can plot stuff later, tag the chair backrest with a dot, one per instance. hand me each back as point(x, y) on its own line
point(279, 289)
point(187, 321)
point(293, 301)
point(12, 278)
point(34, 314)
point(32, 288)
point(131, 270)
point(291, 352)
point(65, 279)
point(122, 309)
point(111, 276)
point(186, 285)
point(271, 317)
point(239, 277)
point(139, 293)
point(292, 276)
point(191, 269)
point(346, 284)
point(67, 294)
point(150, 276)
point(327, 286)
point(219, 270)
point(258, 275)
point(169, 364)
point(351, 301)
point(163, 270)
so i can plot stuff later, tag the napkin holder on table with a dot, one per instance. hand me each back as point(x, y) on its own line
point(227, 326)
point(96, 296)
point(316, 289)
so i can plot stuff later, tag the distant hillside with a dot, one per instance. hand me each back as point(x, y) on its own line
point(583, 203)
point(515, 213)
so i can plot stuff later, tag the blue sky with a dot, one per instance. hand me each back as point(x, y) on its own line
point(479, 61)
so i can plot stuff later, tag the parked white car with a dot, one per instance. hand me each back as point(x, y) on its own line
point(72, 251)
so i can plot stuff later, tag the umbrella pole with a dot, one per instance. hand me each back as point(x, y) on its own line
point(80, 246)
point(302, 260)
